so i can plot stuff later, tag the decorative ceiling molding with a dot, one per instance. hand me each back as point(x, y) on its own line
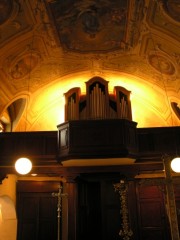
point(171, 8)
point(156, 18)
point(17, 22)
point(161, 64)
point(8, 10)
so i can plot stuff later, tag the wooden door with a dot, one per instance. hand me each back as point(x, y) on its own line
point(89, 211)
point(110, 205)
point(98, 210)
point(152, 214)
point(37, 211)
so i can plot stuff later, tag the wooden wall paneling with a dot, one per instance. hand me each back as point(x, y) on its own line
point(156, 141)
point(152, 213)
point(41, 147)
point(36, 210)
point(177, 198)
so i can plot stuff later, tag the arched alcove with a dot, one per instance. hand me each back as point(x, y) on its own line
point(176, 109)
point(12, 114)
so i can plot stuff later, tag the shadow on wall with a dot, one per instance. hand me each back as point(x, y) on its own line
point(8, 220)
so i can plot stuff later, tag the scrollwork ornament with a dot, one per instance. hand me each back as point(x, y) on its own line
point(122, 188)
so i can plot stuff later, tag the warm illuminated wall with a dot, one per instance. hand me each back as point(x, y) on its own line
point(8, 220)
point(150, 107)
point(8, 187)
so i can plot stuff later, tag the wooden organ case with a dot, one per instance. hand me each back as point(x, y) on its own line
point(97, 124)
point(97, 103)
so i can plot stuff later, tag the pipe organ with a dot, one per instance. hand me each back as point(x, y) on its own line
point(97, 103)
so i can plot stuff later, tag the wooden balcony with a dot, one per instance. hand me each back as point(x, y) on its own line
point(114, 138)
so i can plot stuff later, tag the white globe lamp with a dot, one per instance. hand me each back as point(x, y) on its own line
point(23, 166)
point(175, 164)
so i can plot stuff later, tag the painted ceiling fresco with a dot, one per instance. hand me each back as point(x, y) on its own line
point(95, 26)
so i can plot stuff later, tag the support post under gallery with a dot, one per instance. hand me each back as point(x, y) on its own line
point(171, 200)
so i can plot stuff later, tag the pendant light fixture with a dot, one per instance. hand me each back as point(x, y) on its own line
point(23, 165)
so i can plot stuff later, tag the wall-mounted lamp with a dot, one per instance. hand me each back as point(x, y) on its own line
point(23, 166)
point(175, 164)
